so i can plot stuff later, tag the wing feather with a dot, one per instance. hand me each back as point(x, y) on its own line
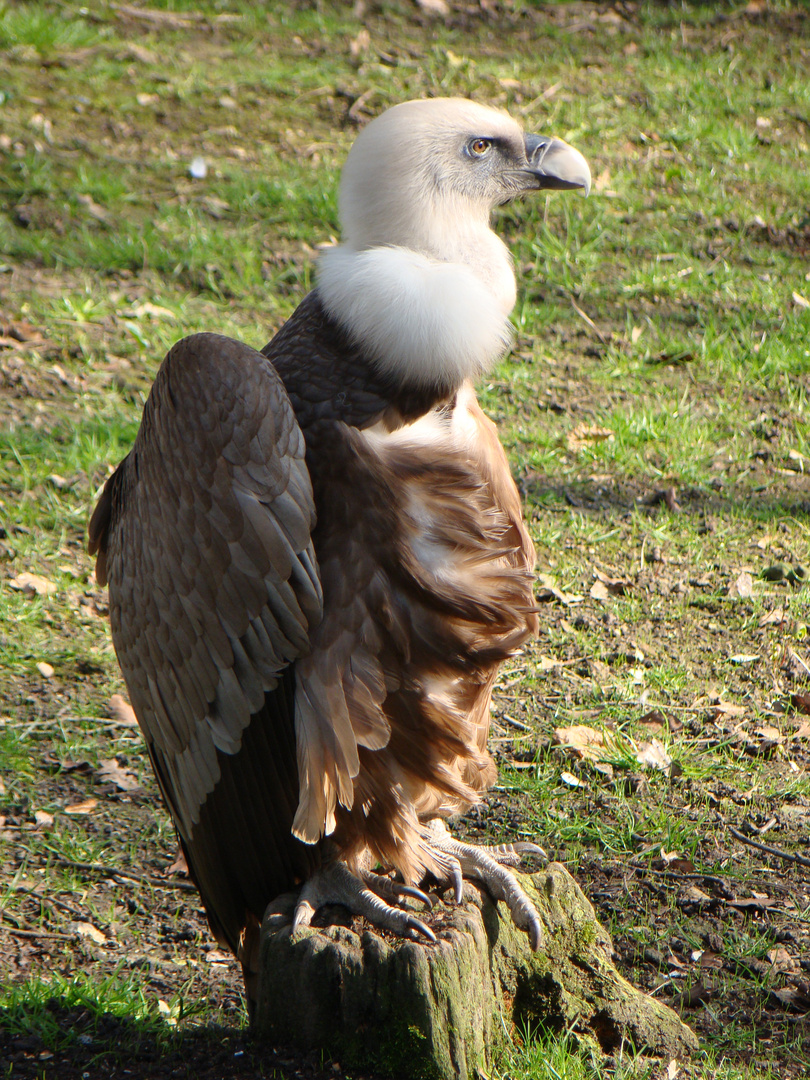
point(205, 535)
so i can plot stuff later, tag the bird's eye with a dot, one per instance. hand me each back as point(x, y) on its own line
point(479, 147)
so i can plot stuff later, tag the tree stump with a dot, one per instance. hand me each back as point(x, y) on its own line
point(437, 1012)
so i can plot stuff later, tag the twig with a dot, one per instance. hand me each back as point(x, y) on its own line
point(589, 321)
point(768, 849)
point(108, 871)
point(17, 932)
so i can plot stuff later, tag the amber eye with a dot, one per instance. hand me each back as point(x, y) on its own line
point(479, 147)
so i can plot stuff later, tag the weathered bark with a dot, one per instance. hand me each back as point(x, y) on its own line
point(438, 1011)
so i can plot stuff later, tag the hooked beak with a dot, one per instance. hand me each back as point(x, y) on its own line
point(556, 165)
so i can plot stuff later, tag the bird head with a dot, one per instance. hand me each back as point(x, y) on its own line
point(453, 160)
point(421, 282)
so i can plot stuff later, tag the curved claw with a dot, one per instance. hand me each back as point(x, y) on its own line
point(512, 854)
point(336, 884)
point(387, 889)
point(487, 865)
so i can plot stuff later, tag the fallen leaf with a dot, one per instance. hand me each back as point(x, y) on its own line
point(122, 711)
point(673, 1069)
point(33, 584)
point(744, 658)
point(800, 301)
point(45, 670)
point(775, 617)
point(586, 742)
point(43, 819)
point(86, 807)
point(616, 586)
point(545, 663)
point(179, 866)
point(571, 780)
point(59, 481)
point(742, 587)
point(726, 708)
point(217, 957)
point(93, 208)
point(781, 960)
point(692, 896)
point(770, 735)
point(87, 930)
point(153, 310)
point(599, 591)
point(549, 591)
point(654, 721)
point(112, 772)
point(585, 434)
point(653, 755)
point(695, 994)
point(711, 960)
point(801, 701)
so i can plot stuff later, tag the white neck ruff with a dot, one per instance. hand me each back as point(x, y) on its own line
point(423, 322)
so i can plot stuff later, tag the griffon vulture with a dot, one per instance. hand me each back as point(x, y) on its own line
point(315, 553)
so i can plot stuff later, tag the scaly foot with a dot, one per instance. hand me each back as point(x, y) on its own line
point(366, 895)
point(489, 866)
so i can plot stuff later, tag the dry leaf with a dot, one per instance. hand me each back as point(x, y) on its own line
point(726, 708)
point(545, 663)
point(179, 866)
point(673, 1069)
point(586, 742)
point(615, 585)
point(743, 587)
point(758, 903)
point(549, 591)
point(777, 616)
point(122, 711)
point(585, 434)
point(571, 780)
point(599, 591)
point(434, 7)
point(781, 960)
point(45, 670)
point(692, 896)
point(800, 301)
point(33, 584)
point(87, 930)
point(86, 807)
point(771, 735)
point(43, 819)
point(112, 772)
point(653, 755)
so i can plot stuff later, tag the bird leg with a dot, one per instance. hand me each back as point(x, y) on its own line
point(489, 864)
point(365, 894)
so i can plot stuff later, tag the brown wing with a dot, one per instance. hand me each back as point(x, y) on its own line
point(204, 535)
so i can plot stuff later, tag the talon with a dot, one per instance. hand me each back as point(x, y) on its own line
point(365, 895)
point(395, 890)
point(489, 866)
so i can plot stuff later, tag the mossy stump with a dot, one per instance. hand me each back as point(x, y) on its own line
point(423, 1011)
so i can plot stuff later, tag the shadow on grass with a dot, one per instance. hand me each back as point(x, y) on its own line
point(618, 496)
point(54, 1040)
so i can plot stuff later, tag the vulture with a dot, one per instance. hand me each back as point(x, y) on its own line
point(316, 556)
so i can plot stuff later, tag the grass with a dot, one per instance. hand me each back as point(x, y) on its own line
point(662, 312)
